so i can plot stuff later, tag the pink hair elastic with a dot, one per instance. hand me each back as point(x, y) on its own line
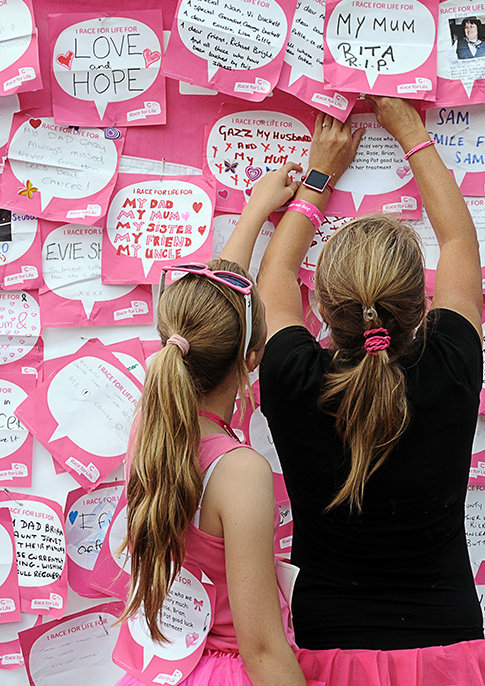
point(181, 343)
point(376, 339)
point(418, 147)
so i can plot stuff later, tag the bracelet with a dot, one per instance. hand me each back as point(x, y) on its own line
point(418, 147)
point(309, 210)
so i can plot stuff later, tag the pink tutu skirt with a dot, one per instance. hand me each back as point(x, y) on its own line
point(460, 664)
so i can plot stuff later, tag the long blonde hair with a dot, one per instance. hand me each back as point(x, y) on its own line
point(165, 482)
point(370, 274)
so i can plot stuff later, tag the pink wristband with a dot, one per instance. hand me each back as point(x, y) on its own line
point(418, 147)
point(309, 210)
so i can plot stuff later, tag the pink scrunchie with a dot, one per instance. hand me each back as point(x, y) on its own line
point(180, 342)
point(376, 339)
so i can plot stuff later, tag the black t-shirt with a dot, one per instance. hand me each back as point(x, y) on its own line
point(398, 575)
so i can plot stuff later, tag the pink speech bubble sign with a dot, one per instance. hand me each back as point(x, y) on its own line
point(19, 56)
point(237, 49)
point(9, 583)
point(389, 50)
point(15, 440)
point(111, 64)
point(20, 326)
point(302, 71)
point(152, 223)
point(41, 552)
point(20, 260)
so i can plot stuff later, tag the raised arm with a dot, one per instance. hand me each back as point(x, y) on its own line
point(332, 150)
point(269, 193)
point(458, 284)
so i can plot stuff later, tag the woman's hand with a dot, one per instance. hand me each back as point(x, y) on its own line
point(400, 119)
point(273, 190)
point(333, 145)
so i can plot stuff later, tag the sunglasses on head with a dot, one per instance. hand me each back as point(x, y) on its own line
point(235, 281)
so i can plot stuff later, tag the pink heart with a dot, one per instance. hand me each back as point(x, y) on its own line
point(10, 311)
point(197, 206)
point(253, 173)
point(150, 57)
point(22, 342)
point(223, 194)
point(19, 350)
point(10, 338)
point(185, 216)
point(5, 359)
point(190, 639)
point(66, 60)
point(403, 171)
point(33, 314)
point(11, 354)
point(1, 316)
point(33, 328)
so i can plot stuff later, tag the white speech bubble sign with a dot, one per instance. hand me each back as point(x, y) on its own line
point(269, 140)
point(86, 525)
point(117, 534)
point(379, 162)
point(6, 554)
point(82, 647)
point(381, 41)
point(15, 31)
point(132, 364)
point(39, 541)
point(62, 162)
point(184, 622)
point(233, 36)
point(23, 229)
point(94, 408)
point(13, 433)
point(9, 104)
point(262, 441)
point(106, 59)
point(459, 136)
point(20, 325)
point(155, 222)
point(304, 52)
point(224, 225)
point(71, 265)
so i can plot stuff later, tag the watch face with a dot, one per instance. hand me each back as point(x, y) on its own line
point(316, 180)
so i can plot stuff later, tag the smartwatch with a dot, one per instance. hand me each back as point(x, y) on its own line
point(317, 181)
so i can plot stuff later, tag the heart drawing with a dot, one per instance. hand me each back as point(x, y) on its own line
point(150, 57)
point(35, 123)
point(253, 173)
point(65, 60)
point(190, 639)
point(197, 206)
point(223, 194)
point(73, 516)
point(403, 171)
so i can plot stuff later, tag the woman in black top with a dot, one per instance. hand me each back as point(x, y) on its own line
point(375, 435)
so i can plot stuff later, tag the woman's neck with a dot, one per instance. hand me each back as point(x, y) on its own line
point(220, 402)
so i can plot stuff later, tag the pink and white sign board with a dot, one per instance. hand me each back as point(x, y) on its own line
point(460, 66)
point(15, 440)
point(20, 327)
point(10, 652)
point(378, 180)
point(307, 269)
point(40, 542)
point(87, 518)
point(19, 52)
point(152, 223)
point(234, 48)
point(60, 173)
point(9, 104)
point(302, 72)
point(74, 649)
point(107, 69)
point(459, 136)
point(111, 572)
point(9, 581)
point(382, 47)
point(83, 412)
point(131, 354)
point(20, 260)
point(186, 619)
point(73, 293)
point(241, 146)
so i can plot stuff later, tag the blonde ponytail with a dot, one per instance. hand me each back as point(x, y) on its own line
point(370, 274)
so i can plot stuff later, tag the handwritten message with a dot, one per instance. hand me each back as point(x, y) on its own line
point(371, 39)
point(224, 225)
point(20, 325)
point(243, 146)
point(111, 571)
point(19, 58)
point(322, 234)
point(459, 137)
point(475, 526)
point(15, 440)
point(9, 586)
point(65, 163)
point(103, 60)
point(155, 223)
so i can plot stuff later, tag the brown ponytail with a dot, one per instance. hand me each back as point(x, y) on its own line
point(370, 274)
point(165, 482)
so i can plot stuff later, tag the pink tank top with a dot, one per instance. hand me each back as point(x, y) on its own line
point(208, 553)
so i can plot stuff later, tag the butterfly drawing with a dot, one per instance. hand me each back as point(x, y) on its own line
point(230, 166)
point(29, 189)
